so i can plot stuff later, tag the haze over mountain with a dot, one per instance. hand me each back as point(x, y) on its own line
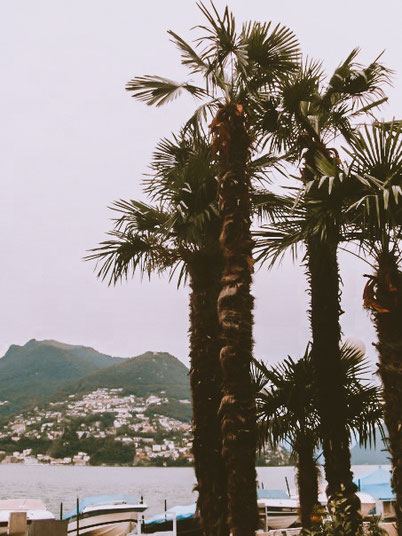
point(377, 454)
point(41, 371)
point(152, 372)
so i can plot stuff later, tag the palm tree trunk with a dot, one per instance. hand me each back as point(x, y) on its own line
point(307, 479)
point(235, 305)
point(325, 311)
point(323, 273)
point(206, 379)
point(388, 323)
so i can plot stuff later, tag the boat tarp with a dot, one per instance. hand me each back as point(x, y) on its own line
point(22, 504)
point(182, 512)
point(272, 494)
point(377, 484)
point(99, 500)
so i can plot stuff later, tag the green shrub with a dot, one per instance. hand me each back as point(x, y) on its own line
point(340, 523)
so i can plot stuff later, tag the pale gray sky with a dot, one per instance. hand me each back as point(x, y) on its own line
point(72, 141)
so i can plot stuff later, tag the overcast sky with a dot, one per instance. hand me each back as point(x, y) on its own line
point(72, 141)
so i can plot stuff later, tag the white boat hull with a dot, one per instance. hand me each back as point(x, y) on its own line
point(117, 529)
point(282, 522)
point(277, 513)
point(367, 502)
point(107, 524)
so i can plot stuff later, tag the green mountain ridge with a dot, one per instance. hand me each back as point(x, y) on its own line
point(43, 371)
point(149, 373)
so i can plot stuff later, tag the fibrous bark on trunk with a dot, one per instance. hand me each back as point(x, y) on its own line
point(235, 305)
point(387, 307)
point(325, 311)
point(205, 380)
point(307, 479)
point(323, 273)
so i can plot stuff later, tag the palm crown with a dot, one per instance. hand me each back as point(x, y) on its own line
point(287, 400)
point(376, 155)
point(182, 219)
point(307, 111)
point(233, 66)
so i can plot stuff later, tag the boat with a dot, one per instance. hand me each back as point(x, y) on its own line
point(105, 515)
point(33, 509)
point(367, 502)
point(181, 519)
point(378, 485)
point(276, 509)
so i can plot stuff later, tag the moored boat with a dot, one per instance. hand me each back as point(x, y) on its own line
point(34, 510)
point(106, 515)
point(276, 509)
point(367, 509)
point(179, 519)
point(378, 485)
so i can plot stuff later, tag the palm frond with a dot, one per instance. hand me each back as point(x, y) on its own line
point(285, 400)
point(364, 85)
point(222, 50)
point(269, 206)
point(274, 240)
point(190, 58)
point(369, 107)
point(127, 253)
point(184, 181)
point(137, 216)
point(259, 169)
point(363, 400)
point(272, 53)
point(376, 154)
point(202, 116)
point(156, 90)
point(286, 397)
point(302, 87)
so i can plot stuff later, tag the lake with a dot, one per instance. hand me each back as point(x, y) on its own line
point(55, 484)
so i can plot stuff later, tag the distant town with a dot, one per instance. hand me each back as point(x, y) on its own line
point(139, 435)
point(103, 427)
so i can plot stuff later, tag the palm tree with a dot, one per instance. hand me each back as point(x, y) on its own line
point(236, 69)
point(180, 235)
point(288, 412)
point(377, 217)
point(303, 120)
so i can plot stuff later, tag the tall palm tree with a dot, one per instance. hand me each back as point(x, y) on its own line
point(236, 69)
point(179, 233)
point(303, 121)
point(288, 412)
point(377, 217)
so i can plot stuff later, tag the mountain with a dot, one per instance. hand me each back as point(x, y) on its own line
point(377, 455)
point(43, 371)
point(149, 373)
point(85, 353)
point(32, 373)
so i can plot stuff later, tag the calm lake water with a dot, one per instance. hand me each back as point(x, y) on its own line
point(55, 484)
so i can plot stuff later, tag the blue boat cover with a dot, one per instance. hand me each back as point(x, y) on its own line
point(377, 484)
point(182, 512)
point(99, 500)
point(272, 494)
